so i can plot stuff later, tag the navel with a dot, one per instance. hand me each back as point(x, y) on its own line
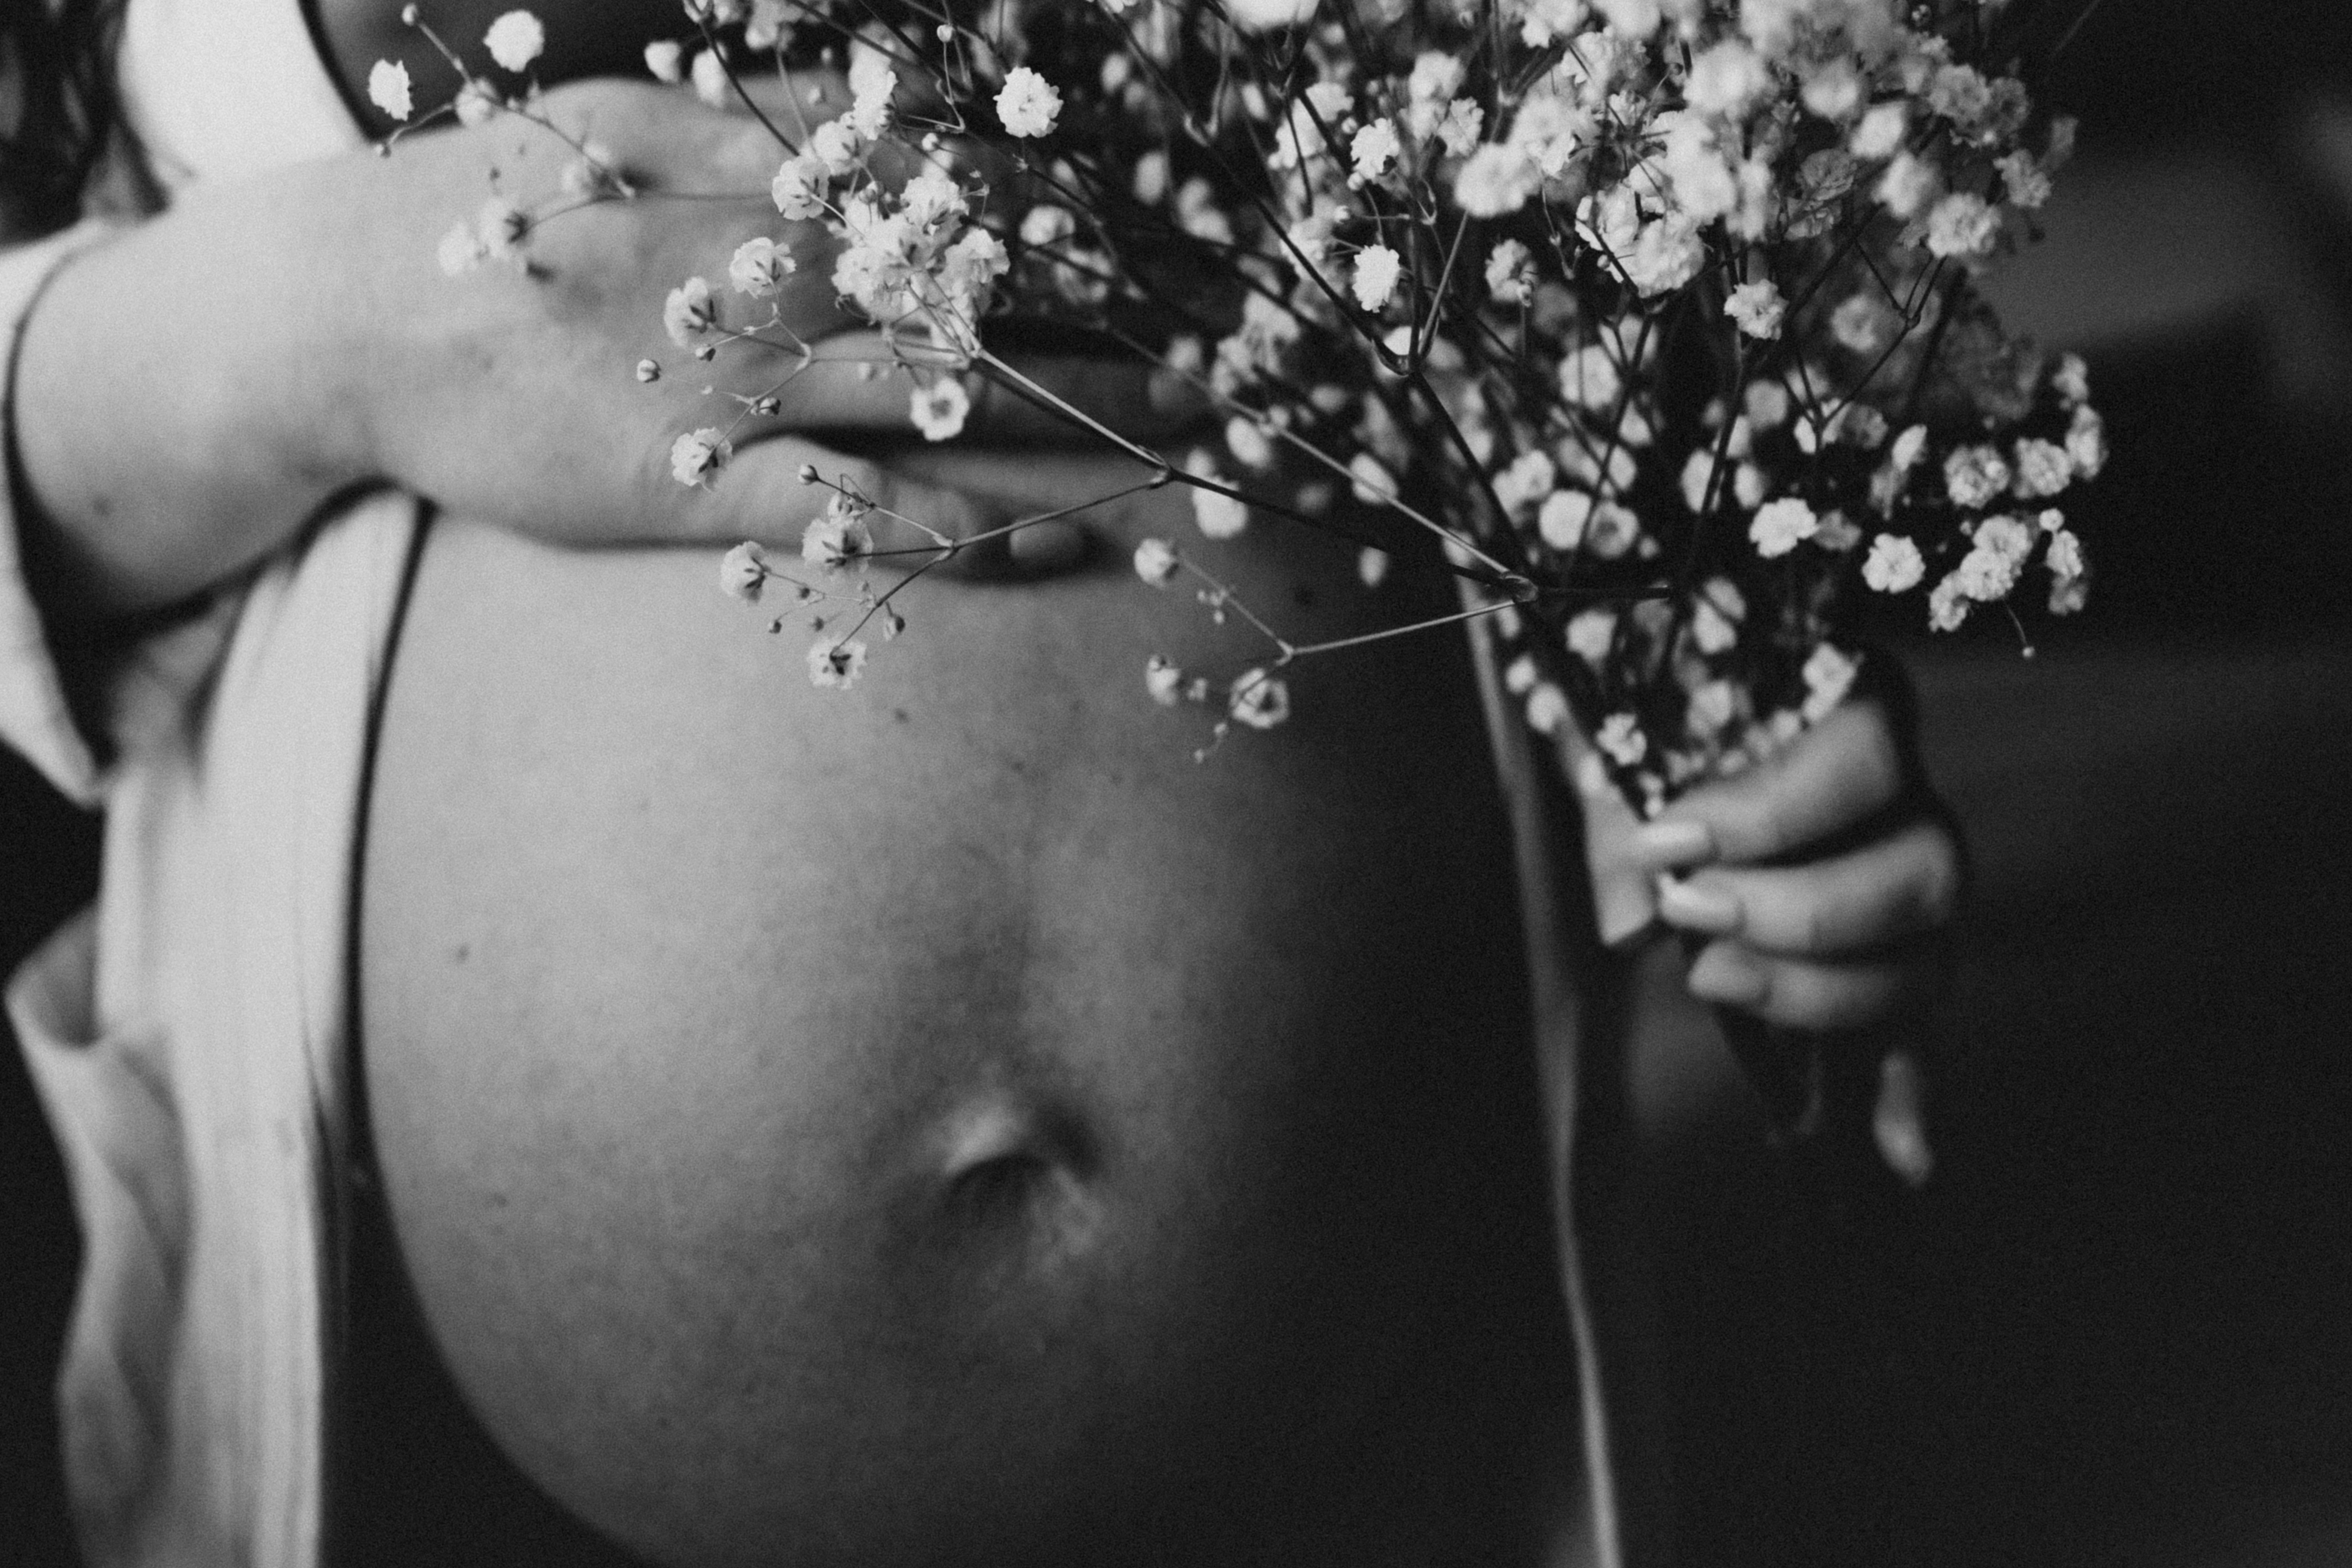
point(1016, 1170)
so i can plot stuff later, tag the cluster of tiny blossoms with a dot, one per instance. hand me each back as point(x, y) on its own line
point(1653, 322)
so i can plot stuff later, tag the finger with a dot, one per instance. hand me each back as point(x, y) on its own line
point(1802, 994)
point(771, 491)
point(1829, 781)
point(862, 380)
point(1904, 885)
point(1051, 399)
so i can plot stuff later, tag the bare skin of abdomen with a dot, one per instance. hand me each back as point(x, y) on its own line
point(938, 1122)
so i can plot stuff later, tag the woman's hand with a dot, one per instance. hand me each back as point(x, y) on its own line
point(1826, 880)
point(191, 393)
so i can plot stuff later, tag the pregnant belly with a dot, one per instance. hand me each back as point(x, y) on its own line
point(940, 1121)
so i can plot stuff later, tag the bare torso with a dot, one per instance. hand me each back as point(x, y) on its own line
point(938, 1122)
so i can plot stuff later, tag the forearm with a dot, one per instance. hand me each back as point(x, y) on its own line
point(176, 407)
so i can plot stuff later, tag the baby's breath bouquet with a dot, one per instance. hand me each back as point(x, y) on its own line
point(1654, 322)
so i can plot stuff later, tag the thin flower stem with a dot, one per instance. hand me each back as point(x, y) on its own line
point(1303, 650)
point(711, 42)
point(1224, 595)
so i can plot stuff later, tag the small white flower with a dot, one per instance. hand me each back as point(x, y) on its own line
point(1963, 225)
point(475, 104)
point(1622, 739)
point(1780, 526)
point(1045, 224)
point(1765, 404)
point(2072, 381)
point(1546, 708)
point(1837, 532)
point(1259, 700)
point(869, 113)
point(1164, 680)
point(502, 226)
point(1947, 607)
point(710, 77)
point(1266, 15)
point(835, 664)
point(1829, 676)
point(931, 198)
point(1522, 487)
point(1217, 514)
point(1459, 129)
point(1588, 378)
point(387, 88)
point(1612, 530)
point(1907, 449)
point(1635, 19)
point(743, 572)
point(1377, 270)
point(696, 454)
point(1510, 273)
point(1372, 567)
point(1562, 518)
point(595, 172)
point(460, 250)
point(515, 40)
point(1028, 104)
point(1835, 91)
point(667, 60)
point(1374, 149)
point(833, 542)
point(2086, 442)
point(1991, 570)
point(1894, 565)
point(799, 189)
point(2069, 573)
point(2043, 470)
point(1715, 614)
point(1591, 634)
point(1727, 79)
point(1247, 439)
point(1908, 186)
point(1758, 307)
point(688, 313)
point(1975, 476)
point(940, 409)
point(1331, 100)
point(1497, 180)
point(759, 267)
point(1372, 485)
point(1156, 562)
point(2023, 181)
point(1880, 132)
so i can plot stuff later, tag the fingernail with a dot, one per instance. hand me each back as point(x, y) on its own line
point(1696, 907)
point(1053, 545)
point(1727, 975)
point(1173, 396)
point(1665, 845)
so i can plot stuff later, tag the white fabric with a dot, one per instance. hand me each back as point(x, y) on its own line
point(187, 1036)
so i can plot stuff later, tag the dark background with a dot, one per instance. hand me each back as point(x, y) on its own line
point(2117, 1327)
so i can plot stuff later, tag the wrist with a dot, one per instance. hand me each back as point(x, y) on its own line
point(167, 410)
